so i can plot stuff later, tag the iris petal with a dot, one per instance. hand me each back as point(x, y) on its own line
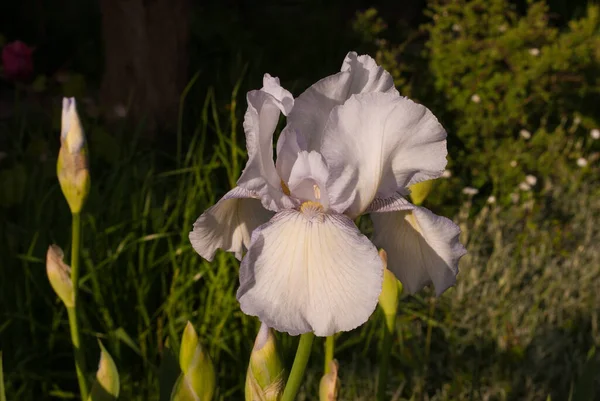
point(310, 271)
point(422, 248)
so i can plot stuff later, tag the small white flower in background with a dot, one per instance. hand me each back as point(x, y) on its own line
point(513, 163)
point(491, 199)
point(514, 197)
point(582, 162)
point(502, 28)
point(531, 179)
point(456, 28)
point(525, 134)
point(595, 133)
point(447, 174)
point(524, 187)
point(470, 191)
point(534, 51)
point(476, 98)
point(352, 145)
point(577, 120)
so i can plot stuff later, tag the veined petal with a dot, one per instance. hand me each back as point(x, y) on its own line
point(359, 74)
point(308, 178)
point(310, 271)
point(228, 224)
point(377, 144)
point(259, 175)
point(422, 248)
point(393, 203)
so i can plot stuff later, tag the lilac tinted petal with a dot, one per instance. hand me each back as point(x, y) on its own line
point(259, 175)
point(228, 224)
point(377, 144)
point(422, 248)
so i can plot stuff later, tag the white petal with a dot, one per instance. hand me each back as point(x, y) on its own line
point(422, 247)
point(309, 271)
point(228, 224)
point(289, 144)
point(377, 144)
point(393, 203)
point(285, 100)
point(367, 76)
point(259, 175)
point(359, 74)
point(308, 178)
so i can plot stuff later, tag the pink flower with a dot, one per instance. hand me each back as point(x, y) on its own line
point(17, 61)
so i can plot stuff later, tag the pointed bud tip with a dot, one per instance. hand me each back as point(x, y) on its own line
point(107, 385)
point(330, 384)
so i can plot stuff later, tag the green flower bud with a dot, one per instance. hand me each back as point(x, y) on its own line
point(59, 275)
point(330, 383)
point(265, 378)
point(419, 191)
point(197, 382)
point(106, 386)
point(388, 299)
point(72, 167)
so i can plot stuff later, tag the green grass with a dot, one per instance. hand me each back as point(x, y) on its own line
point(521, 323)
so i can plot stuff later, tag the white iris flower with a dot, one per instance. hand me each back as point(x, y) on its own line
point(352, 145)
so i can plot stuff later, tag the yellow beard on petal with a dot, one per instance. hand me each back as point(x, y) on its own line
point(285, 188)
point(312, 210)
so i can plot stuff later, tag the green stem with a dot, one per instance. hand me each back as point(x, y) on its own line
point(329, 347)
point(300, 361)
point(73, 321)
point(385, 354)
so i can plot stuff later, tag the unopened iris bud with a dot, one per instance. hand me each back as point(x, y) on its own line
point(265, 378)
point(388, 299)
point(330, 383)
point(59, 275)
point(106, 386)
point(72, 167)
point(197, 380)
point(420, 191)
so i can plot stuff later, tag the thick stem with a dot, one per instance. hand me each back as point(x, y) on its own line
point(329, 347)
point(73, 321)
point(297, 373)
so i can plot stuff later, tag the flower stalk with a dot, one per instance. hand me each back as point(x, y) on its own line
point(72, 311)
point(298, 368)
point(329, 347)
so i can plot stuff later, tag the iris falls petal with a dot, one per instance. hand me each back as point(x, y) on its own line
point(310, 271)
point(422, 248)
point(228, 224)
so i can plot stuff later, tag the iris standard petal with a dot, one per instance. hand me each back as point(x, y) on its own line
point(367, 76)
point(259, 175)
point(359, 74)
point(289, 144)
point(285, 100)
point(228, 224)
point(310, 271)
point(377, 144)
point(308, 178)
point(422, 248)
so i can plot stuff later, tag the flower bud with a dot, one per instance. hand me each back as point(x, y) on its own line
point(330, 383)
point(197, 380)
point(106, 386)
point(72, 167)
point(420, 190)
point(388, 299)
point(59, 275)
point(265, 378)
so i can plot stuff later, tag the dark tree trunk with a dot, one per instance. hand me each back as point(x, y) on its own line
point(146, 57)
